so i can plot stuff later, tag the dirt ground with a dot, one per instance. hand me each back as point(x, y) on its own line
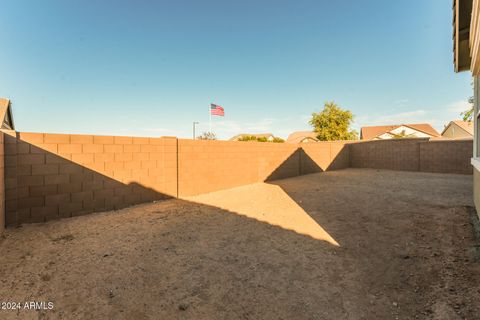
point(349, 244)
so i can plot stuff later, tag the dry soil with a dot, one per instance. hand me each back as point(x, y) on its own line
point(350, 244)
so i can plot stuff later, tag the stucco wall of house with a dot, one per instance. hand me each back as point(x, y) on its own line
point(2, 184)
point(455, 132)
point(476, 190)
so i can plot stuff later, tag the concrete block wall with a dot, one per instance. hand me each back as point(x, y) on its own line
point(51, 176)
point(444, 156)
point(323, 156)
point(206, 166)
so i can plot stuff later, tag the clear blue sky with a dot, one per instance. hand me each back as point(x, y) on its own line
point(150, 68)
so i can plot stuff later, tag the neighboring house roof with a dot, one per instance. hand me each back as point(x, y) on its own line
point(368, 133)
point(465, 125)
point(6, 118)
point(257, 135)
point(301, 136)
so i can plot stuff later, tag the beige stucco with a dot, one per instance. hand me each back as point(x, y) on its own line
point(455, 132)
point(476, 189)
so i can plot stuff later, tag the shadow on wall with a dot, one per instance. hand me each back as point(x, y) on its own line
point(313, 158)
point(419, 154)
point(43, 186)
point(51, 176)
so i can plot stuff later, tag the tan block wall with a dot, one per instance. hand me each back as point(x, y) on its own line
point(395, 154)
point(445, 156)
point(323, 156)
point(51, 176)
point(206, 166)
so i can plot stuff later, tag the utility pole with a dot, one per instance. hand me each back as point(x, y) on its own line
point(194, 123)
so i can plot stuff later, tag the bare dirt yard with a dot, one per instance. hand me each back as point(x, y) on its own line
point(349, 244)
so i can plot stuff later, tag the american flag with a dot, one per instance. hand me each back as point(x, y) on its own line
point(216, 110)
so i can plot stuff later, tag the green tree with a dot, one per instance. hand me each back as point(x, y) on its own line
point(402, 135)
point(333, 123)
point(468, 114)
point(261, 139)
point(278, 140)
point(207, 136)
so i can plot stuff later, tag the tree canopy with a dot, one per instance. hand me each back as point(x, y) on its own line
point(261, 139)
point(333, 123)
point(467, 115)
point(207, 136)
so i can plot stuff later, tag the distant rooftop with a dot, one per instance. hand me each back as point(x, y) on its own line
point(368, 133)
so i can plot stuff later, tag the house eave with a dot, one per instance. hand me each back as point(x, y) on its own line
point(462, 34)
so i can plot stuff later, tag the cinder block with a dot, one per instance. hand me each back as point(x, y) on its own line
point(11, 149)
point(104, 157)
point(23, 216)
point(113, 148)
point(44, 169)
point(31, 137)
point(147, 164)
point(39, 191)
point(123, 156)
point(83, 158)
point(132, 165)
point(157, 156)
point(11, 205)
point(51, 158)
point(11, 183)
point(113, 166)
point(102, 194)
point(109, 183)
point(10, 161)
point(123, 140)
point(98, 205)
point(56, 179)
point(70, 187)
point(68, 209)
point(93, 148)
point(30, 202)
point(92, 185)
point(95, 166)
point(132, 148)
point(30, 159)
point(138, 140)
point(103, 139)
point(81, 139)
point(24, 170)
point(56, 138)
point(146, 148)
point(23, 181)
point(82, 196)
point(69, 148)
point(56, 199)
point(42, 148)
point(47, 213)
point(122, 190)
point(22, 192)
point(81, 177)
point(70, 168)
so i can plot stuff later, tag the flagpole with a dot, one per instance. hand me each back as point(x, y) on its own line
point(210, 113)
